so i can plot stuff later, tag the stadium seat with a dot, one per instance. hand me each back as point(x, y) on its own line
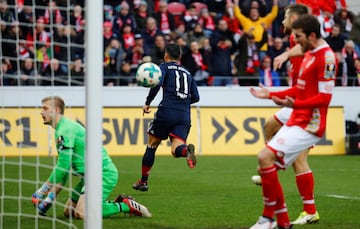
point(177, 9)
point(199, 6)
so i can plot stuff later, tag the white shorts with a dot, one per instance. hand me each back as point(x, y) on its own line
point(283, 115)
point(288, 142)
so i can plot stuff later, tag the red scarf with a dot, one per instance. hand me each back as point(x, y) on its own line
point(164, 23)
point(267, 77)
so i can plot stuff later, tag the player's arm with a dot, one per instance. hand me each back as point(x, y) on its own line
point(195, 97)
point(322, 99)
point(282, 58)
point(46, 194)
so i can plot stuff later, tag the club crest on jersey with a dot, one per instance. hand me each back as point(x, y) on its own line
point(60, 142)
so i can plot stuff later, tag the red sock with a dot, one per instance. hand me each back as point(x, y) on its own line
point(305, 184)
point(145, 171)
point(281, 211)
point(269, 182)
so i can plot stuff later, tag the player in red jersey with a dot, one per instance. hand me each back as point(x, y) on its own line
point(304, 175)
point(309, 98)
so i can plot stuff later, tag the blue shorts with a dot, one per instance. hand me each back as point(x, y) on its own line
point(170, 123)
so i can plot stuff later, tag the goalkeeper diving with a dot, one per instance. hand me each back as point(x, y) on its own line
point(70, 144)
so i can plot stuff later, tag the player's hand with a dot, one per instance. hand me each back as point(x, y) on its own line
point(146, 109)
point(262, 93)
point(280, 59)
point(287, 102)
point(37, 198)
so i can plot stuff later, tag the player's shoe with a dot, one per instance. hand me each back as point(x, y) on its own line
point(142, 186)
point(190, 156)
point(305, 218)
point(136, 208)
point(256, 179)
point(264, 223)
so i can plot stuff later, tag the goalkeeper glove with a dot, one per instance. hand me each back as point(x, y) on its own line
point(38, 196)
point(45, 205)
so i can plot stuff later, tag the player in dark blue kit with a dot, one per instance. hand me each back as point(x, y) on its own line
point(172, 118)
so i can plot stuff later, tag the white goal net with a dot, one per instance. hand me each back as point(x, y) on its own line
point(42, 47)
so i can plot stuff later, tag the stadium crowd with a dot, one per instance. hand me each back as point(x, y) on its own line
point(43, 41)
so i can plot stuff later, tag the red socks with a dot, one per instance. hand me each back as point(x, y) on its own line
point(305, 184)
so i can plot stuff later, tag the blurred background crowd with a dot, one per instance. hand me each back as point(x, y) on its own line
point(225, 42)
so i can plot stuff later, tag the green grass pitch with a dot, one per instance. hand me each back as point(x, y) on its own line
point(217, 194)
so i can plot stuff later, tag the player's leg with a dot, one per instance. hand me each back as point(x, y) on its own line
point(180, 149)
point(270, 188)
point(305, 185)
point(147, 163)
point(70, 206)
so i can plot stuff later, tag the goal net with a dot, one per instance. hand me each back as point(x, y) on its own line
point(42, 47)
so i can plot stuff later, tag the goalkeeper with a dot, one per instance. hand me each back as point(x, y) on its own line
point(70, 144)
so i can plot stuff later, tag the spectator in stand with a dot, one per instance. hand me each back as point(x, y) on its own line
point(275, 50)
point(39, 38)
point(108, 34)
point(157, 54)
point(191, 18)
point(135, 55)
point(149, 35)
point(63, 37)
point(197, 64)
point(77, 20)
point(356, 81)
point(268, 77)
point(127, 37)
point(222, 46)
point(336, 40)
point(355, 32)
point(344, 19)
point(247, 5)
point(165, 21)
point(54, 75)
point(52, 15)
point(349, 54)
point(141, 15)
point(6, 16)
point(28, 75)
point(207, 22)
point(341, 73)
point(260, 24)
point(205, 49)
point(113, 59)
point(123, 17)
point(10, 44)
point(233, 23)
point(196, 34)
point(326, 19)
point(247, 61)
point(77, 72)
point(26, 20)
point(217, 8)
point(7, 78)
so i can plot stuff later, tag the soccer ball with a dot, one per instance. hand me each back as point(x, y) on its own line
point(148, 74)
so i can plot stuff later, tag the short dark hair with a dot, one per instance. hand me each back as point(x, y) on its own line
point(309, 24)
point(299, 9)
point(174, 51)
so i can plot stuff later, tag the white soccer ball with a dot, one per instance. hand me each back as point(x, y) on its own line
point(148, 74)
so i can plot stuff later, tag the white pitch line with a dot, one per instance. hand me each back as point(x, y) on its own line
point(344, 197)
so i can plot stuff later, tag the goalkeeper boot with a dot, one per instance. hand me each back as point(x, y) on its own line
point(256, 179)
point(305, 218)
point(140, 185)
point(43, 207)
point(136, 208)
point(121, 197)
point(36, 199)
point(190, 156)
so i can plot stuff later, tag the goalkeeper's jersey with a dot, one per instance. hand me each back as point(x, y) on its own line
point(70, 143)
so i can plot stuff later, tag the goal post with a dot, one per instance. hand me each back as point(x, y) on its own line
point(93, 171)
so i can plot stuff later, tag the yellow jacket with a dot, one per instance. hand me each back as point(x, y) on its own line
point(258, 31)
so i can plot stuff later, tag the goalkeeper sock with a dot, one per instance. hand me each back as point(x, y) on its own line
point(123, 207)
